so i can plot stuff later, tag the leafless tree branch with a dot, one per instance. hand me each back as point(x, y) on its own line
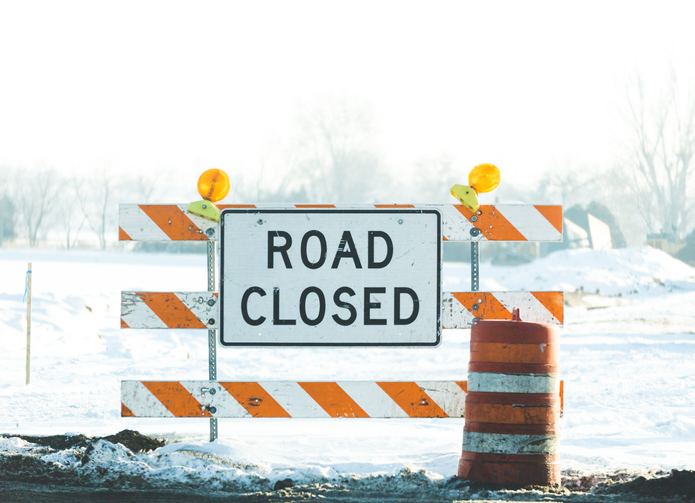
point(658, 165)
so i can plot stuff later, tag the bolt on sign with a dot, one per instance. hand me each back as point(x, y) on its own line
point(330, 277)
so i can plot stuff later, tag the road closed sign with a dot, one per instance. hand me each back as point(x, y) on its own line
point(330, 277)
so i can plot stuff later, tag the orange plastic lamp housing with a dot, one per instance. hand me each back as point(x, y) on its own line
point(484, 178)
point(213, 185)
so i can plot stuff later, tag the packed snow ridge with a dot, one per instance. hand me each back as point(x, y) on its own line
point(626, 359)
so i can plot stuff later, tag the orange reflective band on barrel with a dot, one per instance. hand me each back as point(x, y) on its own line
point(498, 413)
point(513, 368)
point(504, 352)
point(523, 333)
point(516, 469)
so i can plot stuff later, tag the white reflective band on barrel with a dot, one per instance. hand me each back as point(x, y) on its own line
point(488, 382)
point(498, 443)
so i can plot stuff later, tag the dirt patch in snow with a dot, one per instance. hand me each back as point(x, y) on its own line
point(133, 440)
point(679, 483)
point(55, 442)
point(85, 467)
point(659, 485)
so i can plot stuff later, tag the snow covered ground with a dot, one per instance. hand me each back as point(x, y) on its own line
point(627, 359)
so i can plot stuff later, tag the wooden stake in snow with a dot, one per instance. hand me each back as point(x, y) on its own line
point(28, 294)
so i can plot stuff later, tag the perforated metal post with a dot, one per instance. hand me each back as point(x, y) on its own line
point(475, 266)
point(28, 294)
point(212, 335)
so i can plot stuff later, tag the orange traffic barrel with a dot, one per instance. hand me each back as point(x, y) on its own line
point(513, 405)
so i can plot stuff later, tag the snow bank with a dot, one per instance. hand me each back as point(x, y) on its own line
point(629, 383)
point(609, 272)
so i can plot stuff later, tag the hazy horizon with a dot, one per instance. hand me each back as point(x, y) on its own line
point(167, 90)
point(182, 86)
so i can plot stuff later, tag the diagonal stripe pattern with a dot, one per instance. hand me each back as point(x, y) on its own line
point(287, 399)
point(501, 222)
point(153, 310)
point(169, 310)
point(460, 309)
point(354, 399)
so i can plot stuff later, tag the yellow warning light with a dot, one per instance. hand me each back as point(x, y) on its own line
point(484, 178)
point(213, 185)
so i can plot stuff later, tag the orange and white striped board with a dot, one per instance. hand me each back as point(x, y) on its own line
point(461, 309)
point(170, 310)
point(200, 310)
point(349, 399)
point(289, 399)
point(501, 222)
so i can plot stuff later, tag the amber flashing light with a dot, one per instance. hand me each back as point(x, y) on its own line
point(213, 185)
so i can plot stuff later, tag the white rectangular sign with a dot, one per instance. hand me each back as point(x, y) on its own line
point(330, 277)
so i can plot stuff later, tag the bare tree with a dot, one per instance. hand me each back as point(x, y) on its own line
point(70, 211)
point(144, 187)
point(571, 185)
point(96, 199)
point(434, 177)
point(335, 154)
point(7, 206)
point(258, 185)
point(658, 166)
point(35, 191)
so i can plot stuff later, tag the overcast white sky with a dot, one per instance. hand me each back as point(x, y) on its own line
point(194, 85)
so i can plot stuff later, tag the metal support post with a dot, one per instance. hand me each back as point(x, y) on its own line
point(475, 266)
point(28, 294)
point(212, 335)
